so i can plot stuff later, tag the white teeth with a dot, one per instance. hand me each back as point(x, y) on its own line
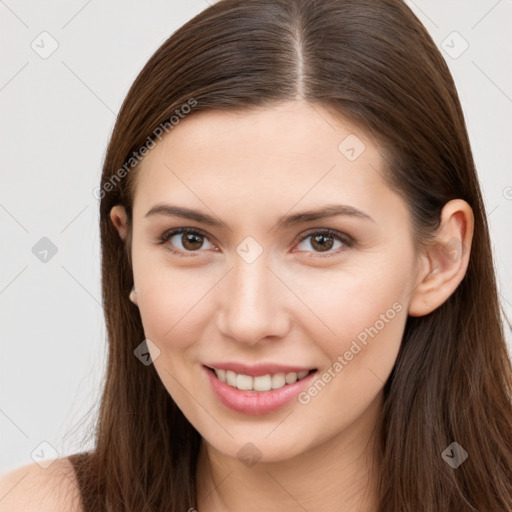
point(231, 378)
point(243, 382)
point(291, 378)
point(278, 380)
point(260, 383)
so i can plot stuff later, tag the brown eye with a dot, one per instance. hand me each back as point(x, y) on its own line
point(184, 240)
point(322, 241)
point(191, 241)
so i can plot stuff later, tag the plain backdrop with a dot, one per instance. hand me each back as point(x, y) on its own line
point(66, 68)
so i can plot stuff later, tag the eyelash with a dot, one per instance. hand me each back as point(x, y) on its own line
point(342, 237)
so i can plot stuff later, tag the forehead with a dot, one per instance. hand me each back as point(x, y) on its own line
point(258, 158)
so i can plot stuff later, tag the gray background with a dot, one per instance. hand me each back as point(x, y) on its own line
point(57, 113)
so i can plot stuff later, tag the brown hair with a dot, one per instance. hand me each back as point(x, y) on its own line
point(374, 63)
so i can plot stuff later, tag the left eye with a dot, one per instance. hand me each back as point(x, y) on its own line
point(191, 240)
point(324, 240)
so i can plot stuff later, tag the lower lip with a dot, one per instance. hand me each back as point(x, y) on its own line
point(256, 402)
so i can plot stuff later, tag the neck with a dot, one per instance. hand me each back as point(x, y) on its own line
point(338, 474)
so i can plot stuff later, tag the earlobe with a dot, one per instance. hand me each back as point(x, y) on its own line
point(133, 295)
point(446, 259)
point(119, 219)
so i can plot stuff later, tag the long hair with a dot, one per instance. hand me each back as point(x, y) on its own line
point(373, 62)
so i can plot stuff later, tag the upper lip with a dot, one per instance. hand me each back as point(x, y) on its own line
point(257, 370)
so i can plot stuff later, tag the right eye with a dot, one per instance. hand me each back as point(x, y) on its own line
point(190, 241)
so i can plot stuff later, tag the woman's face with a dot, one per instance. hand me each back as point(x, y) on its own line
point(246, 289)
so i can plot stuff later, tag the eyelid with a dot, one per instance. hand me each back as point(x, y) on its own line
point(346, 239)
point(338, 234)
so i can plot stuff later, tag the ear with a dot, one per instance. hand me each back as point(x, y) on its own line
point(445, 261)
point(119, 219)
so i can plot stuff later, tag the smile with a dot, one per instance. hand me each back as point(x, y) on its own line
point(260, 383)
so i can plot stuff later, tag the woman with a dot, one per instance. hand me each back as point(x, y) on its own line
point(298, 284)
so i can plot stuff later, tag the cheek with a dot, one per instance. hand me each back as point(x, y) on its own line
point(359, 357)
point(340, 305)
point(359, 320)
point(172, 301)
point(168, 309)
point(171, 309)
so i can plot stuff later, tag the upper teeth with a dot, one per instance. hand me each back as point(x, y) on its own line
point(260, 383)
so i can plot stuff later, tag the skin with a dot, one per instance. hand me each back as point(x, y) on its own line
point(290, 305)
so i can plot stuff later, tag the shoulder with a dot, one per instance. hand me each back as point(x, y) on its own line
point(33, 488)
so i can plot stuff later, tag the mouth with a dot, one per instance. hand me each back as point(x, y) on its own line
point(260, 383)
point(259, 394)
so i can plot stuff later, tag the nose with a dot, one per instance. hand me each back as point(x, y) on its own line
point(253, 306)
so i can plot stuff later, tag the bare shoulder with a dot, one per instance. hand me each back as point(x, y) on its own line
point(32, 488)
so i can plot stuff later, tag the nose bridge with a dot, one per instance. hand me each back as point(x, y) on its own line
point(252, 306)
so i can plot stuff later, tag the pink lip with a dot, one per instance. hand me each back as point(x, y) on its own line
point(257, 369)
point(256, 402)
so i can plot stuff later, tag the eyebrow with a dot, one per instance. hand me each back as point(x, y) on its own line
point(286, 221)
